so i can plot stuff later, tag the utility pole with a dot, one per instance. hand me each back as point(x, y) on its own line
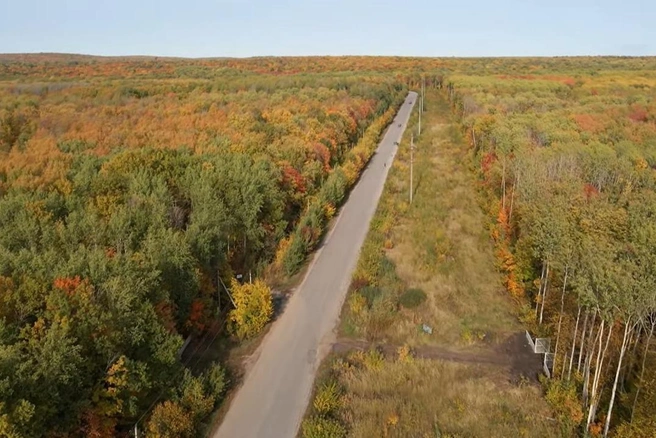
point(421, 104)
point(412, 149)
point(423, 92)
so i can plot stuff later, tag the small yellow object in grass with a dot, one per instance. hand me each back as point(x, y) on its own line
point(405, 354)
point(393, 420)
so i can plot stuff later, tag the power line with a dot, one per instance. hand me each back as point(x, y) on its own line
point(185, 365)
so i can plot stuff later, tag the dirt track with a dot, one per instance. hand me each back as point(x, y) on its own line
point(514, 354)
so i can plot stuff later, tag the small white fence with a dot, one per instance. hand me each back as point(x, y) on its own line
point(547, 364)
point(542, 346)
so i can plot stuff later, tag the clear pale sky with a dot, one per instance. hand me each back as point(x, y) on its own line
point(199, 28)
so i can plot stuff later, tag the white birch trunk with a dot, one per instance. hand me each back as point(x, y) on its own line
point(571, 356)
point(617, 376)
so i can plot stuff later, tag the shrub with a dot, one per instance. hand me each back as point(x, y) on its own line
point(357, 303)
point(358, 283)
point(193, 396)
point(319, 427)
point(328, 398)
point(370, 293)
point(412, 298)
point(381, 317)
point(169, 420)
point(373, 360)
point(294, 254)
point(563, 399)
point(254, 308)
point(215, 381)
point(332, 191)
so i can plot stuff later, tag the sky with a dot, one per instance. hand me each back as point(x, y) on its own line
point(243, 28)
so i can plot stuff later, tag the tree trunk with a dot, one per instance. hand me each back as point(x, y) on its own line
point(512, 198)
point(503, 185)
point(571, 356)
point(583, 333)
point(588, 362)
point(642, 369)
point(617, 375)
point(629, 363)
point(537, 298)
point(594, 399)
point(218, 290)
point(560, 320)
point(544, 293)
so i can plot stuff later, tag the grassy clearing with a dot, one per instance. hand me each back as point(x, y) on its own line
point(429, 262)
point(438, 244)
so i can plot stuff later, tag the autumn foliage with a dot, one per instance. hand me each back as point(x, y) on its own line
point(132, 190)
point(567, 168)
point(254, 308)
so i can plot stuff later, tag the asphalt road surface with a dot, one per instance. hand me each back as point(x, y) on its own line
point(277, 387)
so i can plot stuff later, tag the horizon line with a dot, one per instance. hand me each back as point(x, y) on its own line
point(247, 57)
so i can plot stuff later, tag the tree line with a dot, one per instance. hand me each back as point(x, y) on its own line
point(569, 169)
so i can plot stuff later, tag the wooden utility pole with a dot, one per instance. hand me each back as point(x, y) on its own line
point(423, 92)
point(421, 104)
point(412, 149)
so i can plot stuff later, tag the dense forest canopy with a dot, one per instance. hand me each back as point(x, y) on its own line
point(125, 204)
point(569, 166)
point(131, 189)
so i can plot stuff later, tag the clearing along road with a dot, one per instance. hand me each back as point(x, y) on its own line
point(272, 400)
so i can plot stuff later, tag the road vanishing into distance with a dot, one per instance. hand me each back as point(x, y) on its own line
point(277, 387)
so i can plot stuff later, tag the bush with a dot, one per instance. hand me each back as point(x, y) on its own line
point(254, 308)
point(381, 317)
point(193, 397)
point(370, 293)
point(373, 360)
point(319, 427)
point(333, 190)
point(294, 255)
point(563, 399)
point(169, 420)
point(328, 399)
point(412, 298)
point(357, 303)
point(215, 381)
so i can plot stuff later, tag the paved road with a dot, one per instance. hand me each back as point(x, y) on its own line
point(277, 388)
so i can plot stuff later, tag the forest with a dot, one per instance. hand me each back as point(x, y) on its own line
point(567, 164)
point(126, 206)
point(133, 190)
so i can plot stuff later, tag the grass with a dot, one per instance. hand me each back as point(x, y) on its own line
point(424, 398)
point(439, 245)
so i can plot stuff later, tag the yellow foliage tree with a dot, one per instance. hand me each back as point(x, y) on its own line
point(254, 308)
point(170, 420)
